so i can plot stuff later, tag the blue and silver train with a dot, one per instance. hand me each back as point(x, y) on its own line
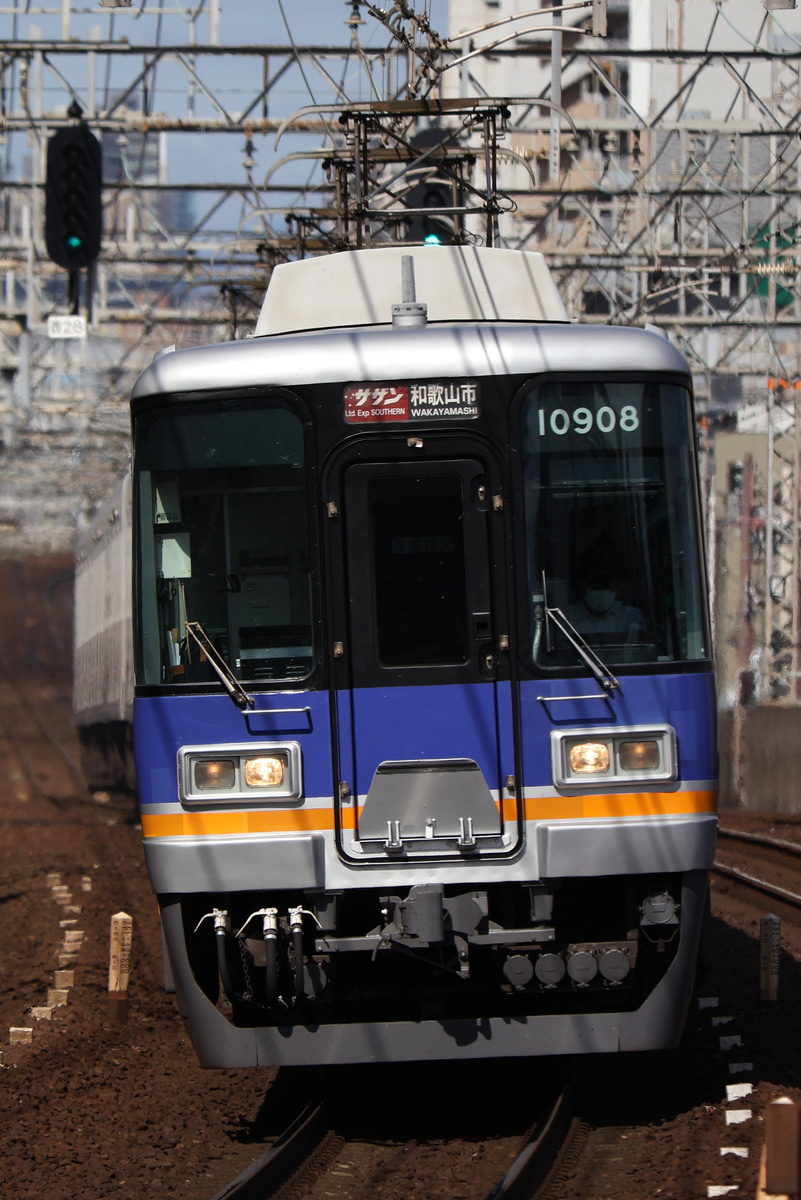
point(424, 715)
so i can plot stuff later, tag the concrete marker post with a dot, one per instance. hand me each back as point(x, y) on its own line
point(119, 967)
point(781, 1148)
point(769, 948)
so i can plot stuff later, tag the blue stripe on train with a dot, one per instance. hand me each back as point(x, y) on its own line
point(466, 720)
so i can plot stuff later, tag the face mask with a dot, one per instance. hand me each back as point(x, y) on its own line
point(599, 600)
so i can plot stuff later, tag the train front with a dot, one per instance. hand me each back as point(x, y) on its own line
point(425, 718)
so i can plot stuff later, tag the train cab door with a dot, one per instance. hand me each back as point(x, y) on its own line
point(424, 726)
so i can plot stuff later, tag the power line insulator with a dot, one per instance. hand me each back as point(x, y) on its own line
point(599, 18)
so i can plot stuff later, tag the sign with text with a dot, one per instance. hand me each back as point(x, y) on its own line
point(432, 400)
point(66, 327)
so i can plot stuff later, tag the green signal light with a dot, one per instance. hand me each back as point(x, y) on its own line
point(432, 239)
point(73, 242)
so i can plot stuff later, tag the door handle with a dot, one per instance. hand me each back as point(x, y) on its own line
point(482, 627)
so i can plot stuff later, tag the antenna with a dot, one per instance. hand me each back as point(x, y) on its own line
point(408, 312)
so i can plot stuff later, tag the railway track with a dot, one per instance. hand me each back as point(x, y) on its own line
point(594, 1135)
point(770, 866)
point(285, 1162)
point(330, 1151)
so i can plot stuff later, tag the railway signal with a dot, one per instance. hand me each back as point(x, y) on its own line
point(433, 228)
point(73, 197)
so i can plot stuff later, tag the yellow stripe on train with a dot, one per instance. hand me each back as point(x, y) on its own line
point(537, 808)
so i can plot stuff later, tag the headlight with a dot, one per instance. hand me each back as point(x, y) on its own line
point(214, 773)
point(236, 775)
point(589, 758)
point(639, 756)
point(263, 772)
point(624, 757)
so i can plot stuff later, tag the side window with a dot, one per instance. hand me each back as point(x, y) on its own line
point(223, 533)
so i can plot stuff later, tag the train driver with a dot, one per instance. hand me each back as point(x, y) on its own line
point(598, 609)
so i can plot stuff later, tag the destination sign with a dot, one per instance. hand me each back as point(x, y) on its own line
point(366, 404)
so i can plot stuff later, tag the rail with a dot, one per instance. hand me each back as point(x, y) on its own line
point(311, 1143)
point(762, 885)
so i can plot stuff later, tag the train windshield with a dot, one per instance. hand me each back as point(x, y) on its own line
point(223, 542)
point(612, 530)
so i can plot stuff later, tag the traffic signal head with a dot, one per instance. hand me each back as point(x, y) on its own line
point(433, 228)
point(73, 197)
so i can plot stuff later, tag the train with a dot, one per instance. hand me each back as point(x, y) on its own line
point(102, 645)
point(424, 709)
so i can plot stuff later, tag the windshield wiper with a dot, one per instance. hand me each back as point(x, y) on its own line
point(601, 672)
point(218, 664)
point(585, 652)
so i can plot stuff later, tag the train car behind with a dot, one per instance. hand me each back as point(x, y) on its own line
point(102, 698)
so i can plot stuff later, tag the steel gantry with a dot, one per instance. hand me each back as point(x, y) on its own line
point(682, 212)
point(656, 167)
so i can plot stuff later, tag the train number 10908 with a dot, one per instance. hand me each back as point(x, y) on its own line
point(584, 420)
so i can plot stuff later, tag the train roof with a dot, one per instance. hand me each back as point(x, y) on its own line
point(455, 283)
point(445, 351)
point(497, 342)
